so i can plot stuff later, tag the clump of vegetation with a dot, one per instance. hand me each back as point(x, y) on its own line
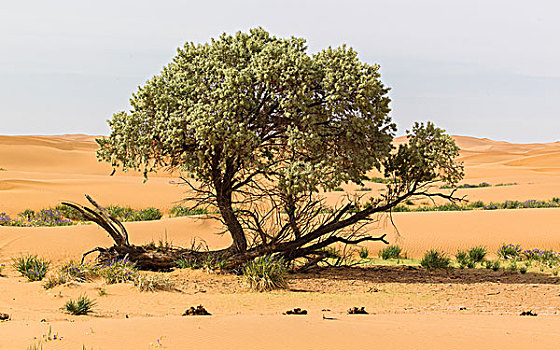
point(434, 259)
point(464, 260)
point(71, 272)
point(509, 251)
point(32, 267)
point(29, 218)
point(188, 262)
point(81, 306)
point(477, 254)
point(118, 271)
point(2, 266)
point(463, 186)
point(180, 210)
point(513, 266)
point(152, 282)
point(481, 206)
point(390, 252)
point(266, 273)
point(380, 180)
point(129, 214)
point(364, 253)
point(69, 212)
point(506, 184)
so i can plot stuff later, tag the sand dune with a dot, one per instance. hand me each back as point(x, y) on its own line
point(40, 171)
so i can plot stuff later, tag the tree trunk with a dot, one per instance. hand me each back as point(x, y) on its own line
point(233, 225)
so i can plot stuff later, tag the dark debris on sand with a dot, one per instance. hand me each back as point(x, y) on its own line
point(357, 311)
point(198, 311)
point(296, 311)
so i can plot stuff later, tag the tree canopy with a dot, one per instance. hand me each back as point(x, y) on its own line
point(261, 126)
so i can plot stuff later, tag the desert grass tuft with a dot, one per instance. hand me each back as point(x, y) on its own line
point(266, 273)
point(434, 259)
point(390, 252)
point(152, 283)
point(81, 306)
point(32, 267)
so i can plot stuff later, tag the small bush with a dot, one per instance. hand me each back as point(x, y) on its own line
point(390, 252)
point(477, 254)
point(462, 258)
point(118, 271)
point(364, 253)
point(266, 273)
point(54, 280)
point(152, 282)
point(509, 251)
point(81, 306)
point(513, 266)
point(32, 267)
point(27, 214)
point(434, 259)
point(69, 212)
point(147, 214)
point(187, 262)
point(179, 210)
point(2, 268)
point(496, 265)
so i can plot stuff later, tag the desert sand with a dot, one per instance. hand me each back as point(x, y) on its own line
point(409, 307)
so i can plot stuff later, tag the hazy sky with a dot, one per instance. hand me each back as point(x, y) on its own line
point(480, 68)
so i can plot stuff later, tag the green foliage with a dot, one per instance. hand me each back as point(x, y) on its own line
point(463, 259)
point(32, 267)
point(81, 306)
point(513, 266)
point(434, 259)
point(118, 271)
point(2, 266)
point(188, 262)
point(509, 251)
point(69, 212)
point(251, 106)
point(266, 273)
point(477, 254)
point(390, 252)
point(129, 214)
point(179, 210)
point(364, 253)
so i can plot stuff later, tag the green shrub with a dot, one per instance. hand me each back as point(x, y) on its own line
point(434, 259)
point(54, 280)
point(512, 266)
point(364, 253)
point(2, 268)
point(477, 254)
point(509, 251)
point(81, 306)
point(187, 262)
point(496, 265)
point(179, 210)
point(462, 258)
point(118, 271)
point(31, 266)
point(390, 252)
point(27, 214)
point(266, 273)
point(147, 214)
point(69, 212)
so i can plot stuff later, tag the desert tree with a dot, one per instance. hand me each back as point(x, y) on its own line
point(259, 127)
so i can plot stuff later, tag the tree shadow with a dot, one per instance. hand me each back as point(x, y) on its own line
point(417, 274)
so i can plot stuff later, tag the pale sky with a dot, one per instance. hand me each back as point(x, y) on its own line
point(478, 68)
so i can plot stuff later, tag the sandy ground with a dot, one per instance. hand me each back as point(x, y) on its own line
point(409, 307)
